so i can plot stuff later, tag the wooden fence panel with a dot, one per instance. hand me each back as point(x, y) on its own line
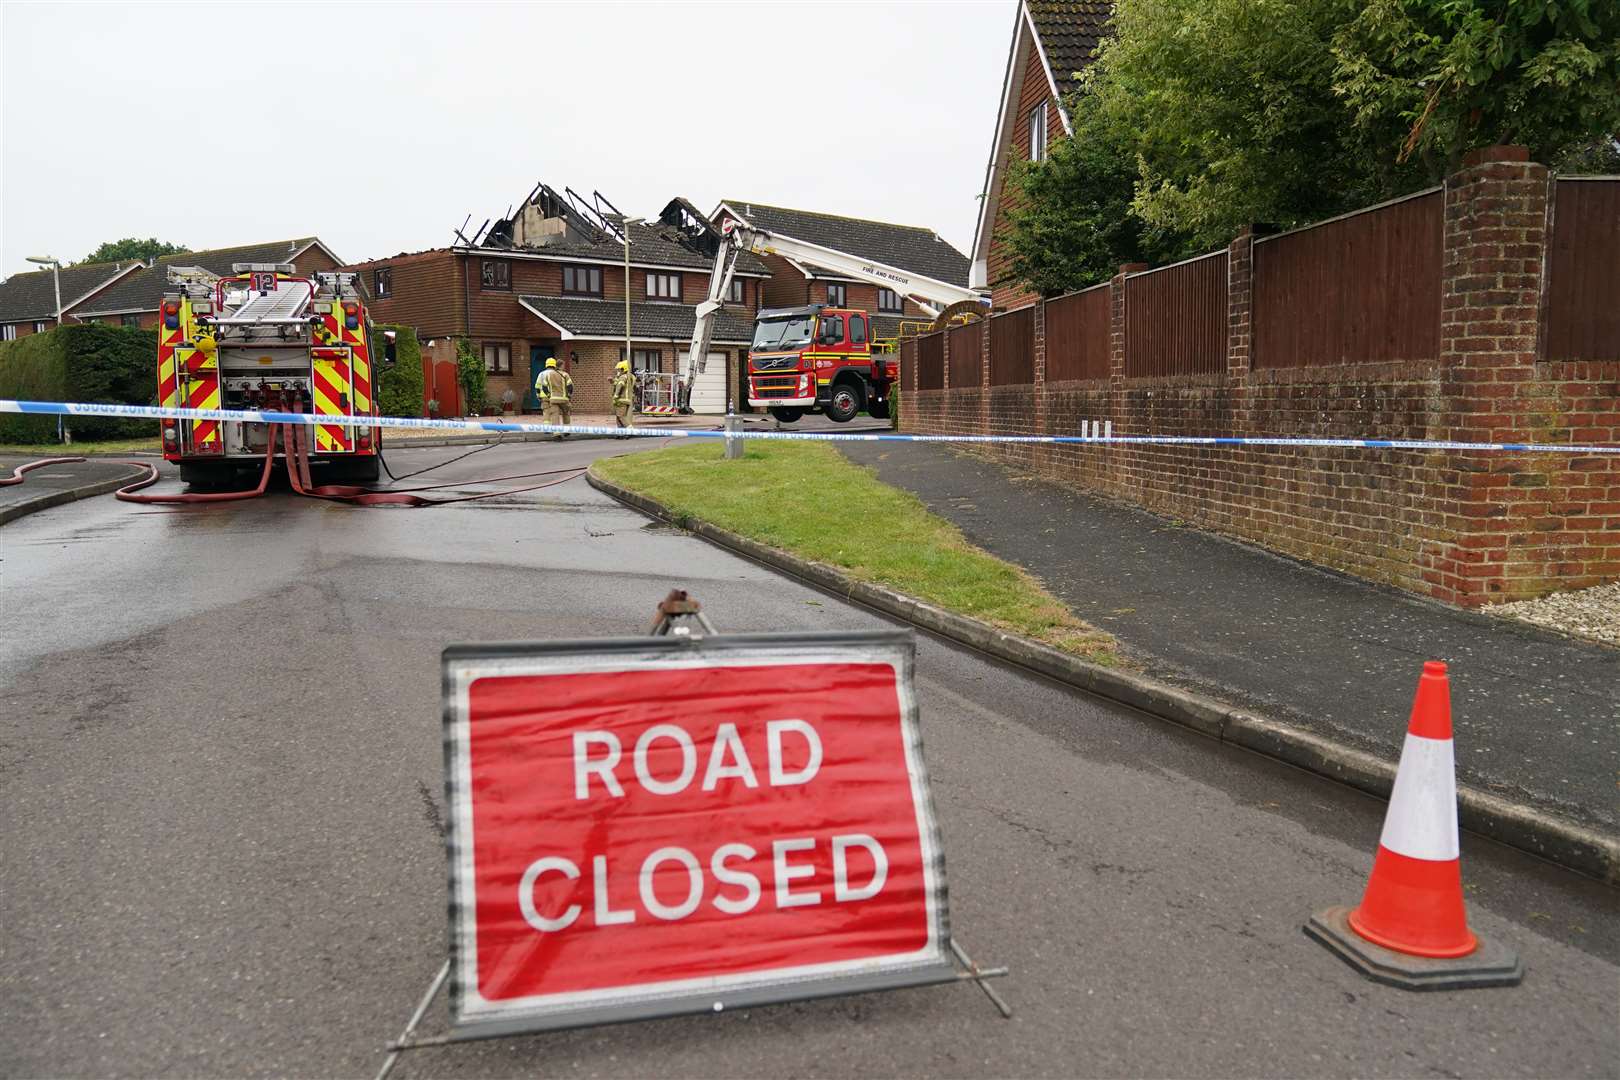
point(1361, 289)
point(907, 358)
point(1175, 318)
point(1077, 336)
point(967, 348)
point(1012, 348)
point(931, 362)
point(1583, 272)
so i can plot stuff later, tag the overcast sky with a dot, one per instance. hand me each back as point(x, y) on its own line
point(379, 127)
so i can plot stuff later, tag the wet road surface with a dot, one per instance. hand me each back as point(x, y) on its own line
point(221, 775)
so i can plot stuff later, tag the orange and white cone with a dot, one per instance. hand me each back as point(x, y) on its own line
point(1411, 928)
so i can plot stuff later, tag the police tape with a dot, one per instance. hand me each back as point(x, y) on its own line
point(256, 416)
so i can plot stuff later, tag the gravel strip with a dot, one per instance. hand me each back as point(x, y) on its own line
point(1592, 613)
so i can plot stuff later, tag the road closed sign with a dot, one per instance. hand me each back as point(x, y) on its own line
point(649, 826)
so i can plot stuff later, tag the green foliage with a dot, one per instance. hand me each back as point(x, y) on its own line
point(470, 375)
point(131, 248)
point(91, 363)
point(399, 392)
point(1460, 74)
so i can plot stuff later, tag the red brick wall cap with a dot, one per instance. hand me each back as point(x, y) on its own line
point(1487, 154)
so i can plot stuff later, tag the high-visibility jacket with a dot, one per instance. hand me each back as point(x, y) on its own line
point(554, 385)
point(624, 388)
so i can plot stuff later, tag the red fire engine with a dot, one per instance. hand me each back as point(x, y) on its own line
point(264, 337)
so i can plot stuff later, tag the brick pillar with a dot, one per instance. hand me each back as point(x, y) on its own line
point(945, 358)
point(1239, 303)
point(984, 380)
point(1039, 389)
point(1117, 459)
point(1494, 246)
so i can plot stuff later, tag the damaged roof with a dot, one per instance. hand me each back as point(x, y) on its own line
point(31, 296)
point(912, 248)
point(655, 244)
point(143, 291)
point(648, 322)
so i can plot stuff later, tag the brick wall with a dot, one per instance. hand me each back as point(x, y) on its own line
point(1466, 528)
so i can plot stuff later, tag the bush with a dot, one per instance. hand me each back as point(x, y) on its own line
point(470, 374)
point(399, 392)
point(89, 363)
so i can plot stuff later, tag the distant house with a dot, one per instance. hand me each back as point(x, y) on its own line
point(134, 300)
point(28, 300)
point(918, 250)
point(1052, 41)
point(550, 282)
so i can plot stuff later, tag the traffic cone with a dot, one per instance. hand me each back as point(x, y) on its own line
point(1411, 928)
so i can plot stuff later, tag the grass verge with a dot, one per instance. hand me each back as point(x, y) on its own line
point(78, 449)
point(808, 499)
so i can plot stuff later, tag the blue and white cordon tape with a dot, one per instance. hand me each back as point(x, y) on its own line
point(74, 408)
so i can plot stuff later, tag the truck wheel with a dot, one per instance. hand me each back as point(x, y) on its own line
point(845, 403)
point(787, 415)
point(878, 408)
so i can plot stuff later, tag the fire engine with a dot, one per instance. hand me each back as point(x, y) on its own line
point(264, 337)
point(819, 358)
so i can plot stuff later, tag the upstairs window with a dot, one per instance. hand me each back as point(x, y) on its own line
point(496, 274)
point(662, 286)
point(890, 302)
point(498, 357)
point(383, 280)
point(582, 280)
point(836, 295)
point(737, 295)
point(1037, 133)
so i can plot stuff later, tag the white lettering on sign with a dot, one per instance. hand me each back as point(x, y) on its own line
point(783, 872)
point(728, 760)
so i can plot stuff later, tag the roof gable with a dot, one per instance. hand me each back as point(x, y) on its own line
point(31, 296)
point(919, 250)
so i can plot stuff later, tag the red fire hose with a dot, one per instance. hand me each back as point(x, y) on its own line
point(17, 474)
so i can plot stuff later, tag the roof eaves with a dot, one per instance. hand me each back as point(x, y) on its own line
point(992, 180)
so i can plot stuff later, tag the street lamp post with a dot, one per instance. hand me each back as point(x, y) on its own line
point(62, 431)
point(624, 222)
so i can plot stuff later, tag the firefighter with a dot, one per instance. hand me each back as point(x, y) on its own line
point(554, 386)
point(624, 391)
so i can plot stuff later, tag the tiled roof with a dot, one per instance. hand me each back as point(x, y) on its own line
point(918, 250)
point(653, 244)
point(143, 291)
point(1069, 33)
point(31, 296)
point(660, 322)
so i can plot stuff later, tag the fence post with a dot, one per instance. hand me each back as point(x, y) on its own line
point(1495, 238)
point(1116, 361)
point(1038, 344)
point(984, 379)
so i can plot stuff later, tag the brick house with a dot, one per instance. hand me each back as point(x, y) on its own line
point(921, 251)
point(1052, 41)
point(133, 299)
point(28, 300)
point(550, 281)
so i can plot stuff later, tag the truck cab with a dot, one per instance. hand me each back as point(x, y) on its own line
point(818, 359)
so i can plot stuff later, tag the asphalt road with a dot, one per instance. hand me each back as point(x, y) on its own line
point(220, 770)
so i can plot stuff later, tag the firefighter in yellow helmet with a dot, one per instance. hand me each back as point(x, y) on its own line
point(554, 387)
point(624, 395)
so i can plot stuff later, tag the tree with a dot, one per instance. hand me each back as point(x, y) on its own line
point(131, 248)
point(1460, 74)
point(470, 373)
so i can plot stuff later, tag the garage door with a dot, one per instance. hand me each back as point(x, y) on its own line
point(709, 391)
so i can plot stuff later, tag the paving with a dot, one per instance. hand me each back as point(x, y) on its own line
point(52, 485)
point(221, 772)
point(1536, 713)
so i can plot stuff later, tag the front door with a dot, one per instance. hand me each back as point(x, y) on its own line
point(538, 355)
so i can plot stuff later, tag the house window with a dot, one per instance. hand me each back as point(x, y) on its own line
point(889, 301)
point(129, 320)
point(582, 280)
point(8, 332)
point(497, 358)
point(1037, 133)
point(737, 295)
point(644, 359)
point(383, 278)
point(857, 330)
point(41, 327)
point(496, 274)
point(662, 286)
point(836, 295)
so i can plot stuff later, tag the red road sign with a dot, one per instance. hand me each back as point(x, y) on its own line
point(657, 825)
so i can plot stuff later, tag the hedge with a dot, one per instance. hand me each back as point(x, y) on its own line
point(90, 363)
point(399, 392)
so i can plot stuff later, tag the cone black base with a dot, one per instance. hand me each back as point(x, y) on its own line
point(1489, 965)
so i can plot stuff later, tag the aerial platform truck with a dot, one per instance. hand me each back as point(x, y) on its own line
point(818, 358)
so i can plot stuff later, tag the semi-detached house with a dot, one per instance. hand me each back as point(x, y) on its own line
point(550, 281)
point(1052, 41)
point(28, 300)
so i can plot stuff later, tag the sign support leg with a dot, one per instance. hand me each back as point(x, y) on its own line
point(416, 1018)
point(979, 977)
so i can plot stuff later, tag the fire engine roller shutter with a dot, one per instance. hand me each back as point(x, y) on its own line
point(709, 391)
